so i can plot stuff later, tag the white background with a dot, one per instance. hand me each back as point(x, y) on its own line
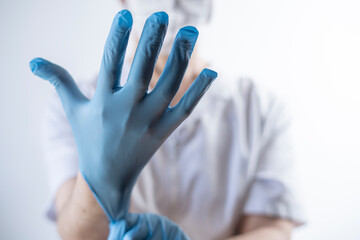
point(307, 52)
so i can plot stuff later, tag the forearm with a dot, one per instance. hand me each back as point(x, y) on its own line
point(255, 227)
point(268, 233)
point(79, 214)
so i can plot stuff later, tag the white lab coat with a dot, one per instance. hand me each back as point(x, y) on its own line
point(232, 156)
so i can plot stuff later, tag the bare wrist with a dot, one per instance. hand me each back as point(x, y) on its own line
point(80, 216)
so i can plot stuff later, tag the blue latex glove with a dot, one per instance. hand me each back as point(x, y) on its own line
point(121, 127)
point(146, 226)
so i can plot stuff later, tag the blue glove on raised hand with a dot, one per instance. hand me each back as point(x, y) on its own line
point(121, 127)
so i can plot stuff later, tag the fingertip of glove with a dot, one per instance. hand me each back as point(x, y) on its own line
point(190, 30)
point(36, 64)
point(124, 18)
point(160, 17)
point(188, 36)
point(210, 73)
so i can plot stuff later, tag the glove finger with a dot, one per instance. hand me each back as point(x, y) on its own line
point(119, 229)
point(147, 53)
point(65, 86)
point(176, 115)
point(174, 70)
point(114, 53)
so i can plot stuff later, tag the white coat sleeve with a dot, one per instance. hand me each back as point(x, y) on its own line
point(274, 191)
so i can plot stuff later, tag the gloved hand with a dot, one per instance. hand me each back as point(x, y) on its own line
point(146, 226)
point(121, 127)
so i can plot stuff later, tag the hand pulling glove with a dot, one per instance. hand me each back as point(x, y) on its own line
point(121, 127)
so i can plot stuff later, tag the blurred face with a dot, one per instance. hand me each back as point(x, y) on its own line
point(181, 13)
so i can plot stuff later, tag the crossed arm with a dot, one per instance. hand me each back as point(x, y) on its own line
point(81, 217)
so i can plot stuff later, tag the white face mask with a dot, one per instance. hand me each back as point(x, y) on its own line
point(181, 13)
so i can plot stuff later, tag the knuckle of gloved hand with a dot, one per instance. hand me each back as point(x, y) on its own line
point(152, 48)
point(50, 73)
point(102, 112)
point(119, 33)
point(184, 49)
point(153, 43)
point(55, 81)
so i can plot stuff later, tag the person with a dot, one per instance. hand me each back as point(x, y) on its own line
point(224, 173)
